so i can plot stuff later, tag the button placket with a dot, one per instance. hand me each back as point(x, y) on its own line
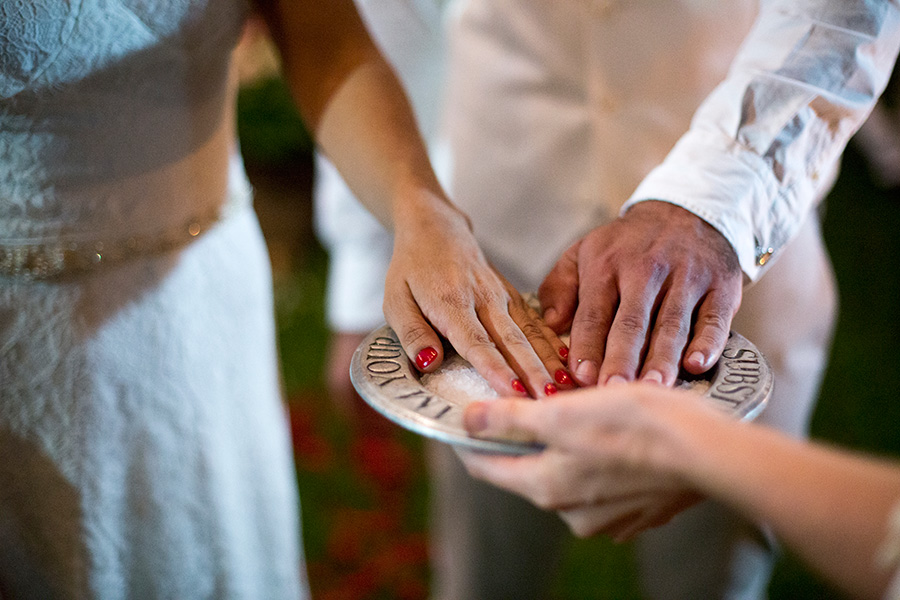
point(603, 101)
point(602, 104)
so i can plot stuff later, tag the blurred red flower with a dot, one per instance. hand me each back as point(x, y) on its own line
point(383, 459)
point(312, 451)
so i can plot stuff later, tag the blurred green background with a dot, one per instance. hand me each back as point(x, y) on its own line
point(364, 497)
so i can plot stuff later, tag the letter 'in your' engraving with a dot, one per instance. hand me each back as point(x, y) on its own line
point(442, 413)
point(383, 367)
point(440, 404)
point(383, 381)
point(384, 347)
point(738, 385)
point(376, 353)
point(380, 363)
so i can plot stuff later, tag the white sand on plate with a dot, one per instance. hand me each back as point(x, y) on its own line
point(458, 382)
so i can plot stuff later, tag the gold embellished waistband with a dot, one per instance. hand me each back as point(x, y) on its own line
point(50, 259)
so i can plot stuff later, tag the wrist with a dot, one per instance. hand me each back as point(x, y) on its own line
point(421, 209)
point(692, 436)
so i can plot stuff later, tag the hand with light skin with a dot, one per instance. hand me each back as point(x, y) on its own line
point(592, 471)
point(652, 291)
point(439, 283)
point(830, 506)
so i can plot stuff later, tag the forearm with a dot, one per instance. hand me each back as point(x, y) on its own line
point(439, 282)
point(763, 144)
point(830, 507)
point(369, 131)
point(355, 106)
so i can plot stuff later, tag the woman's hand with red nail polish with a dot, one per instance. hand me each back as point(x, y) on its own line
point(440, 285)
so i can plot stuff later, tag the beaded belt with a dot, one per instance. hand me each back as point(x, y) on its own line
point(55, 258)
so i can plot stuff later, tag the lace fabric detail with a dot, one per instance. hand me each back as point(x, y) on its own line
point(141, 424)
point(32, 33)
point(97, 96)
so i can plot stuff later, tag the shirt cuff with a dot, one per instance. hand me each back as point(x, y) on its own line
point(732, 189)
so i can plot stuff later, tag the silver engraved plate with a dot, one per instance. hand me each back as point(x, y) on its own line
point(739, 384)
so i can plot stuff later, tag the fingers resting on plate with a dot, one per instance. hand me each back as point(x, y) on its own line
point(440, 286)
point(644, 296)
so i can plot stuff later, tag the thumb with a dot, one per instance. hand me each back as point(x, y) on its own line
point(504, 418)
point(559, 291)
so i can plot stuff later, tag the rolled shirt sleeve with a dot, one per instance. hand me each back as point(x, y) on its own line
point(763, 143)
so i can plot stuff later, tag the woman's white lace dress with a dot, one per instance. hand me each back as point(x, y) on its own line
point(143, 445)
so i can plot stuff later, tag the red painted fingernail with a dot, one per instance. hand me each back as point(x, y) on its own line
point(550, 389)
point(518, 386)
point(425, 357)
point(562, 377)
point(564, 353)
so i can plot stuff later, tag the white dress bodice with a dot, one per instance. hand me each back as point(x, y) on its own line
point(144, 451)
point(109, 111)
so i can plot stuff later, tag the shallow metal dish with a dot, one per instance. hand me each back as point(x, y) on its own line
point(739, 384)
